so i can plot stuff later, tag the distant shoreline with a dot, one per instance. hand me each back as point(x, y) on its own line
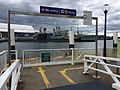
point(49, 40)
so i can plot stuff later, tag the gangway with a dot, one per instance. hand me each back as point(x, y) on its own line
point(53, 73)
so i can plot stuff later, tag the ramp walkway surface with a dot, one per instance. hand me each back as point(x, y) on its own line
point(62, 77)
point(85, 86)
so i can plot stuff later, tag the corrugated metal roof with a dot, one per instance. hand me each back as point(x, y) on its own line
point(17, 28)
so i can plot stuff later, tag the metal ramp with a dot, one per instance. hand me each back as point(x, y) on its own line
point(85, 86)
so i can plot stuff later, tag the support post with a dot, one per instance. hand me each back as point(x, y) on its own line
point(9, 46)
point(9, 39)
point(71, 44)
point(85, 65)
point(96, 49)
point(105, 27)
point(96, 46)
point(72, 56)
point(115, 40)
point(71, 39)
point(13, 52)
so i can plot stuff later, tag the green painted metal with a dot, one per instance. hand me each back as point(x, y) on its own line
point(45, 57)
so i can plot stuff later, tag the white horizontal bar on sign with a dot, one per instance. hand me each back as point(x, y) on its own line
point(104, 64)
point(102, 71)
point(104, 58)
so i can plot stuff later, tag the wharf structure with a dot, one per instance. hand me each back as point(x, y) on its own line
point(59, 69)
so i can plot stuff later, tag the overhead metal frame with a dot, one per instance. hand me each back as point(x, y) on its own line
point(46, 15)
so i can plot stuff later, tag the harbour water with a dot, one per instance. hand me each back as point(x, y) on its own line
point(54, 45)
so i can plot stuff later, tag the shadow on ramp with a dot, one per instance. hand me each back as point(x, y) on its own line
point(85, 86)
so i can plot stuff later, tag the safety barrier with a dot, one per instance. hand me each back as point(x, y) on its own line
point(12, 72)
point(57, 56)
point(4, 58)
point(3, 61)
point(89, 62)
point(51, 56)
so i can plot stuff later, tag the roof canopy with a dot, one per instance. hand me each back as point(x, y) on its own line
point(17, 28)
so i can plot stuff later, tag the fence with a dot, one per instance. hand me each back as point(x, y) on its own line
point(56, 56)
point(14, 72)
point(89, 62)
point(50, 56)
point(109, 52)
point(4, 58)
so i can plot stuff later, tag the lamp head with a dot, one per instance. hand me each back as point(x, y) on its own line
point(106, 8)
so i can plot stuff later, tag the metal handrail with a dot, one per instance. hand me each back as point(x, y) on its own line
point(61, 49)
point(101, 60)
point(106, 58)
point(4, 59)
point(14, 71)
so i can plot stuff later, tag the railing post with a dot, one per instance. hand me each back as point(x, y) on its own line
point(96, 72)
point(85, 66)
point(23, 58)
point(96, 40)
point(72, 56)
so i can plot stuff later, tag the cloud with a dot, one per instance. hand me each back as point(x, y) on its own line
point(80, 5)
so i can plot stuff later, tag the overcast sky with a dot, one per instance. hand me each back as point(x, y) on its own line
point(80, 5)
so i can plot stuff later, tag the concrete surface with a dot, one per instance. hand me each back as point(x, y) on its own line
point(33, 80)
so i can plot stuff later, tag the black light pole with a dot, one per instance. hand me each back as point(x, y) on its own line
point(104, 53)
point(105, 9)
point(9, 39)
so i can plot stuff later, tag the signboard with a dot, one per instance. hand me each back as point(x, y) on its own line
point(12, 36)
point(58, 11)
point(70, 12)
point(49, 10)
point(115, 37)
point(71, 37)
point(87, 18)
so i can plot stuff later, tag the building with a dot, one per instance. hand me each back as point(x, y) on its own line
point(20, 30)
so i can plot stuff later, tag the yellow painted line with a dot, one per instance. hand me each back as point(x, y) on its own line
point(64, 73)
point(72, 68)
point(42, 72)
point(67, 78)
